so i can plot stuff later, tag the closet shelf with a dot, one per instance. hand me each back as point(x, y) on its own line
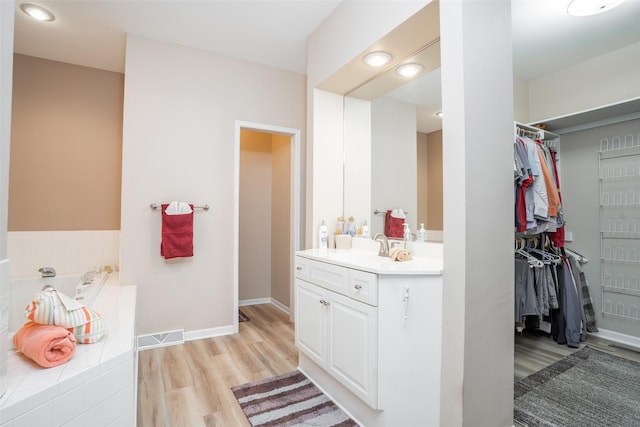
point(623, 291)
point(619, 235)
point(620, 261)
point(620, 205)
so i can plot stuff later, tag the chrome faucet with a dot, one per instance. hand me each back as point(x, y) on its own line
point(384, 244)
point(47, 272)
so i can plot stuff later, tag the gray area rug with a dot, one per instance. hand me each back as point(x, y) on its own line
point(587, 388)
point(289, 400)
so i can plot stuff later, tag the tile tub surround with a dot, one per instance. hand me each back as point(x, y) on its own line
point(67, 251)
point(96, 387)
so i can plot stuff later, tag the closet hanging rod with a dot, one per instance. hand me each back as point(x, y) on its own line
point(155, 206)
point(542, 134)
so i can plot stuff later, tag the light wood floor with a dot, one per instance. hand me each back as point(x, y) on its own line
point(190, 384)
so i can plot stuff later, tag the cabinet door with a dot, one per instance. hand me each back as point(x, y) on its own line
point(311, 320)
point(352, 357)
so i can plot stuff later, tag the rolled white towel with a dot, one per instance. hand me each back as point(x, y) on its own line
point(399, 254)
point(398, 213)
point(177, 208)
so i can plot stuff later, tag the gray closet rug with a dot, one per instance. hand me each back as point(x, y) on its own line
point(587, 388)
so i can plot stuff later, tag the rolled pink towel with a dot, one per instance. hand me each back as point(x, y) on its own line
point(46, 345)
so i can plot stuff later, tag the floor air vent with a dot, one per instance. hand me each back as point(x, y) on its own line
point(161, 339)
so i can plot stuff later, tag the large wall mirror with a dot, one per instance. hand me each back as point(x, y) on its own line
point(393, 138)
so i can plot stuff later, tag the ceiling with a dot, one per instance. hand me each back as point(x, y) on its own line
point(274, 33)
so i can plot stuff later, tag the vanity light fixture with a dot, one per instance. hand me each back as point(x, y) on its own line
point(37, 12)
point(409, 70)
point(439, 114)
point(376, 59)
point(591, 7)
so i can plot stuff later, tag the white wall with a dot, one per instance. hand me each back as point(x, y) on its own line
point(580, 201)
point(604, 80)
point(478, 213)
point(6, 88)
point(357, 161)
point(180, 108)
point(342, 36)
point(6, 77)
point(393, 160)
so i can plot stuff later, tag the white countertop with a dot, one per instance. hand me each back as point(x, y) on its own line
point(428, 264)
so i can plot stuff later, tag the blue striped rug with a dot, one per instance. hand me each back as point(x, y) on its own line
point(288, 400)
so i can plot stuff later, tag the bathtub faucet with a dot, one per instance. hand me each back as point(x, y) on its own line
point(47, 272)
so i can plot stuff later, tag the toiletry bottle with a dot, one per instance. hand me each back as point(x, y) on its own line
point(323, 235)
point(365, 229)
point(422, 233)
point(408, 245)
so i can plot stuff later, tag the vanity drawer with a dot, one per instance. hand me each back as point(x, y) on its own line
point(302, 268)
point(363, 286)
point(329, 276)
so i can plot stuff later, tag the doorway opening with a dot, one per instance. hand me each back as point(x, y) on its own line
point(266, 214)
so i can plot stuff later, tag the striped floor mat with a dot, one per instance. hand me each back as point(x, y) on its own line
point(288, 400)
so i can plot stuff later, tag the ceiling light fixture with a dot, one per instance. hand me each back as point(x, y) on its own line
point(37, 12)
point(439, 114)
point(591, 7)
point(377, 59)
point(409, 70)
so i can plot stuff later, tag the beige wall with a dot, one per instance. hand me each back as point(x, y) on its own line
point(429, 155)
point(265, 176)
point(281, 220)
point(434, 181)
point(66, 147)
point(254, 265)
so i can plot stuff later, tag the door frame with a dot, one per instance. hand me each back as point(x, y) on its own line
point(294, 208)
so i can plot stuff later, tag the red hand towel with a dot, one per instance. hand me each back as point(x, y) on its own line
point(393, 226)
point(47, 345)
point(177, 234)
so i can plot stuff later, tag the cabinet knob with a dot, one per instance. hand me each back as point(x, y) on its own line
point(323, 302)
point(358, 287)
point(298, 268)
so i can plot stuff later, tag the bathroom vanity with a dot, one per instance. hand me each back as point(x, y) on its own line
point(369, 332)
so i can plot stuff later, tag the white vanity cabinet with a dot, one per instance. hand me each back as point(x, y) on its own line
point(371, 339)
point(338, 332)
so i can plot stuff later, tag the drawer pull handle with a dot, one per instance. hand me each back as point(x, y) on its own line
point(323, 302)
point(298, 268)
point(358, 287)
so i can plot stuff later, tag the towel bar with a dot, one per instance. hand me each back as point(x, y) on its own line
point(377, 212)
point(155, 206)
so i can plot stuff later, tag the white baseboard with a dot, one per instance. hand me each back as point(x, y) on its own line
point(257, 301)
point(208, 333)
point(157, 339)
point(254, 301)
point(625, 339)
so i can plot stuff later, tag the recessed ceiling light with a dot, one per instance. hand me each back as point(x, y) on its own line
point(409, 70)
point(37, 12)
point(439, 114)
point(591, 7)
point(377, 59)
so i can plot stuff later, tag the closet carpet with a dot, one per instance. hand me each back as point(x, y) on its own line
point(587, 388)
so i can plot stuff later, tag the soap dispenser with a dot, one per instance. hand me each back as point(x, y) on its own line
point(422, 234)
point(323, 235)
point(407, 238)
point(365, 229)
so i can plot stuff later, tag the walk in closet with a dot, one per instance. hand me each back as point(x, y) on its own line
point(551, 292)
